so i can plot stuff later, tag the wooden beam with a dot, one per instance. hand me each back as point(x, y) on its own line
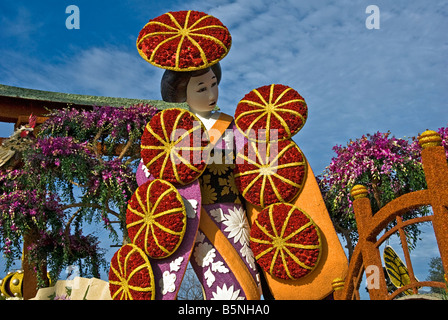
point(12, 108)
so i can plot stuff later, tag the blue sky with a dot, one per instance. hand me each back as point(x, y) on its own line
point(355, 80)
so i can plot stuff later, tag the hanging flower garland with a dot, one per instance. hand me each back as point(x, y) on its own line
point(270, 173)
point(184, 41)
point(156, 218)
point(174, 146)
point(130, 275)
point(275, 107)
point(285, 241)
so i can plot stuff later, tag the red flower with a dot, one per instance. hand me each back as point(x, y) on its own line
point(270, 173)
point(285, 241)
point(174, 146)
point(156, 218)
point(130, 275)
point(184, 41)
point(275, 107)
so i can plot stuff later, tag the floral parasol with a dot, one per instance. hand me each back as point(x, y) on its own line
point(130, 275)
point(184, 41)
point(285, 241)
point(268, 110)
point(174, 146)
point(266, 173)
point(156, 218)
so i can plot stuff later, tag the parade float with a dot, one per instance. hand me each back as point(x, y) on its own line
point(235, 197)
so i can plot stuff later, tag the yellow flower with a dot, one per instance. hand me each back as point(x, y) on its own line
point(208, 193)
point(218, 169)
point(229, 185)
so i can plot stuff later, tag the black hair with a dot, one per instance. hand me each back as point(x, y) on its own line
point(173, 86)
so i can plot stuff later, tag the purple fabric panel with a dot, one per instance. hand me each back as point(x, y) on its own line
point(213, 271)
point(169, 272)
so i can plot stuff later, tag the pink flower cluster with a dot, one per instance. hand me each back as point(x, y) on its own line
point(375, 154)
point(393, 166)
point(118, 122)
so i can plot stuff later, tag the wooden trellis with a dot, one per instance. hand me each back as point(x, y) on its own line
point(367, 252)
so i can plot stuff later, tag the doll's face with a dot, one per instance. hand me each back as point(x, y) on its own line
point(202, 92)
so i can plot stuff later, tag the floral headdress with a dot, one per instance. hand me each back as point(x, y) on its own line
point(184, 41)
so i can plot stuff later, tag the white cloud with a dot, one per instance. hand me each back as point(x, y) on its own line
point(104, 71)
point(354, 80)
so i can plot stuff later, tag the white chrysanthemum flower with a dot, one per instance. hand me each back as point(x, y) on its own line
point(225, 293)
point(237, 225)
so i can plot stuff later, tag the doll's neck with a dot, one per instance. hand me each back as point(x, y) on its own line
point(202, 114)
point(207, 118)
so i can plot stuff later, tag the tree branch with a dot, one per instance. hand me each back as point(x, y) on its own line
point(376, 192)
point(67, 228)
point(126, 147)
point(346, 234)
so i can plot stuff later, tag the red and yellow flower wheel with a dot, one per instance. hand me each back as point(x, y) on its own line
point(266, 173)
point(285, 241)
point(275, 107)
point(174, 146)
point(130, 275)
point(184, 41)
point(156, 218)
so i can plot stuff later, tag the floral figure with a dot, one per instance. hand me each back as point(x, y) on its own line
point(189, 46)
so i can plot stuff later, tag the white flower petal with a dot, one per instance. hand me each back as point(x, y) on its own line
point(237, 225)
point(167, 282)
point(209, 277)
point(217, 214)
point(204, 254)
point(225, 293)
point(175, 265)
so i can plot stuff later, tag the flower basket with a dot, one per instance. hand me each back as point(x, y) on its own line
point(184, 41)
point(266, 173)
point(274, 112)
point(174, 146)
point(156, 218)
point(130, 275)
point(285, 241)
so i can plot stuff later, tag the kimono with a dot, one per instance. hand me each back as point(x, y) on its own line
point(216, 242)
point(222, 258)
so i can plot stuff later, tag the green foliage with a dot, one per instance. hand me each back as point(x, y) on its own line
point(79, 170)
